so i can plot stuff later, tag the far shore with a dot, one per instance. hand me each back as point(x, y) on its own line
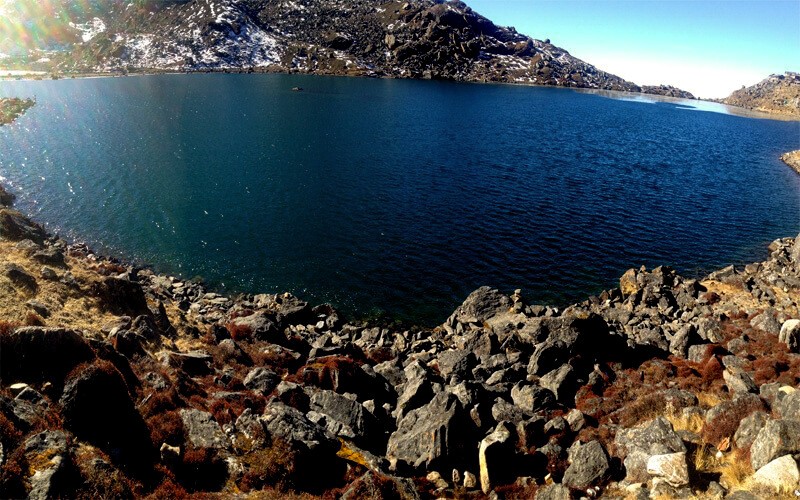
point(26, 75)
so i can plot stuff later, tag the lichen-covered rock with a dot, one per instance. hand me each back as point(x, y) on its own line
point(589, 466)
point(775, 439)
point(202, 431)
point(437, 435)
point(671, 467)
point(638, 444)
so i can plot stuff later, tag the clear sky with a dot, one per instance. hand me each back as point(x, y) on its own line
point(709, 48)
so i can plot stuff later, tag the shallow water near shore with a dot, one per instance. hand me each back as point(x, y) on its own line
point(395, 196)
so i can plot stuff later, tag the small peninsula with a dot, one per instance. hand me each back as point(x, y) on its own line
point(12, 108)
point(792, 159)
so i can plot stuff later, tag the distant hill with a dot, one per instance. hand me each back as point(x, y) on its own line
point(403, 39)
point(776, 94)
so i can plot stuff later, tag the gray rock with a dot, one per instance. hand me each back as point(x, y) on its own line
point(749, 428)
point(495, 457)
point(415, 393)
point(46, 453)
point(780, 474)
point(260, 325)
point(436, 435)
point(39, 308)
point(790, 334)
point(775, 439)
point(261, 380)
point(376, 485)
point(589, 466)
point(16, 227)
point(121, 297)
point(457, 364)
point(392, 371)
point(562, 382)
point(51, 256)
point(481, 305)
point(6, 198)
point(553, 492)
point(202, 430)
point(531, 398)
point(680, 342)
point(638, 444)
point(670, 467)
point(739, 381)
point(21, 278)
point(359, 423)
point(292, 426)
point(788, 406)
point(795, 254)
point(766, 321)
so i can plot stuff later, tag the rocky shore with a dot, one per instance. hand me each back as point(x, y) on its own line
point(12, 108)
point(117, 382)
point(792, 159)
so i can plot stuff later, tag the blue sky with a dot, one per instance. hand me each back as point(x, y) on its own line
point(709, 48)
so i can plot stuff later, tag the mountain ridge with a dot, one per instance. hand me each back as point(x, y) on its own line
point(432, 39)
point(778, 94)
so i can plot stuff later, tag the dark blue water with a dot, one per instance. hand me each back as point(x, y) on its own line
point(396, 196)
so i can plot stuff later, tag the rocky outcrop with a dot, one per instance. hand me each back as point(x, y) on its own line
point(169, 388)
point(792, 159)
point(11, 108)
point(779, 94)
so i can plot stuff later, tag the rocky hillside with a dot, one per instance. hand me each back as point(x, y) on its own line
point(404, 39)
point(117, 382)
point(777, 94)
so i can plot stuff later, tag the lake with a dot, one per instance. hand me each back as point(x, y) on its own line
point(397, 197)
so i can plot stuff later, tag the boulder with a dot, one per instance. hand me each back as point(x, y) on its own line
point(671, 467)
point(638, 444)
point(21, 278)
point(589, 466)
point(261, 325)
point(51, 256)
point(481, 305)
point(6, 198)
point(790, 334)
point(359, 424)
point(376, 485)
point(553, 492)
point(293, 427)
point(121, 296)
point(780, 474)
point(435, 436)
point(202, 431)
point(531, 398)
point(47, 456)
point(35, 354)
point(739, 381)
point(775, 439)
point(195, 363)
point(16, 227)
point(788, 406)
point(496, 457)
point(749, 428)
point(262, 380)
point(457, 364)
point(563, 382)
point(97, 408)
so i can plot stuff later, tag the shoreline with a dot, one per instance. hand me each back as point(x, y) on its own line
point(730, 109)
point(116, 381)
